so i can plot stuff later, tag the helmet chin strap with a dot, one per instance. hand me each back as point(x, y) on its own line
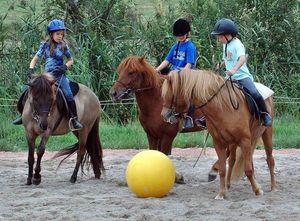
point(228, 41)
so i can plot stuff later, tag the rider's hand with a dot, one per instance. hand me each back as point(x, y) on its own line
point(63, 68)
point(30, 73)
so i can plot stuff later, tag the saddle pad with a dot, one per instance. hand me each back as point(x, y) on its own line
point(264, 90)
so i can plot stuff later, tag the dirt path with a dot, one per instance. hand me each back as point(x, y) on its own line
point(110, 199)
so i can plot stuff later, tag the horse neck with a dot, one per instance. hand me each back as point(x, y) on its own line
point(147, 99)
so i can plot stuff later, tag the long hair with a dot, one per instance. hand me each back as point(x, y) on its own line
point(53, 44)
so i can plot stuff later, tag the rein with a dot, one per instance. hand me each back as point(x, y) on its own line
point(212, 97)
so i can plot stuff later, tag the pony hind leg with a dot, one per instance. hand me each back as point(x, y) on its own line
point(212, 175)
point(231, 151)
point(166, 147)
point(267, 139)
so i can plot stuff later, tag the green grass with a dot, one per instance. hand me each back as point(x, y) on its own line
point(285, 135)
point(14, 9)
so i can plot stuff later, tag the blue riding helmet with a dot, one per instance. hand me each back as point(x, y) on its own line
point(225, 26)
point(55, 25)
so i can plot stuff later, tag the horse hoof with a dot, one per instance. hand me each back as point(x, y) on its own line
point(211, 177)
point(97, 176)
point(259, 192)
point(179, 179)
point(29, 182)
point(73, 179)
point(219, 197)
point(36, 181)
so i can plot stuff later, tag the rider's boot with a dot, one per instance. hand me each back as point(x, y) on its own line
point(76, 125)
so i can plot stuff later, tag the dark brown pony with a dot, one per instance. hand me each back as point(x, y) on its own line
point(229, 121)
point(41, 118)
point(137, 76)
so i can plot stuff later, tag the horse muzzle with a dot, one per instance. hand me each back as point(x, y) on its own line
point(119, 95)
point(168, 116)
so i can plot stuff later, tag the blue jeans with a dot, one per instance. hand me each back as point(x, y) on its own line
point(64, 85)
point(250, 88)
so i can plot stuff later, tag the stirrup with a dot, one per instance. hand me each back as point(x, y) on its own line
point(266, 119)
point(17, 121)
point(74, 124)
point(201, 122)
point(188, 122)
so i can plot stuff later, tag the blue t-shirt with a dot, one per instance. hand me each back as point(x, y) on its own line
point(181, 54)
point(235, 49)
point(55, 60)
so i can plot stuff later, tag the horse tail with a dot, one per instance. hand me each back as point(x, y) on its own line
point(69, 151)
point(238, 170)
point(238, 167)
point(94, 148)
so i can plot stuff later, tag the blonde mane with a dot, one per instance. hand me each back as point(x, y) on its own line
point(203, 85)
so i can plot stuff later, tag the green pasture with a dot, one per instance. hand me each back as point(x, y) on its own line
point(115, 136)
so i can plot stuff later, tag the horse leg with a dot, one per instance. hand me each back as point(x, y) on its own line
point(31, 146)
point(249, 169)
point(37, 178)
point(166, 144)
point(153, 142)
point(221, 152)
point(232, 156)
point(212, 175)
point(267, 139)
point(80, 153)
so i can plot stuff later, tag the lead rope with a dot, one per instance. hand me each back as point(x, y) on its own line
point(203, 151)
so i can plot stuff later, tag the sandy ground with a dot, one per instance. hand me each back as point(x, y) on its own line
point(110, 199)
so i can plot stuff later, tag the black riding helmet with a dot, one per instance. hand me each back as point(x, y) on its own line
point(225, 26)
point(181, 27)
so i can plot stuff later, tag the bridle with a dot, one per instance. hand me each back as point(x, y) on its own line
point(131, 90)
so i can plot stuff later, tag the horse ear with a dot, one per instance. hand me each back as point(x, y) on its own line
point(142, 58)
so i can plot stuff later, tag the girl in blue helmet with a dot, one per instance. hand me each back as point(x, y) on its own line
point(53, 51)
point(234, 59)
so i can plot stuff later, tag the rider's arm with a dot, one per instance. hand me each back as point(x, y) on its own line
point(33, 61)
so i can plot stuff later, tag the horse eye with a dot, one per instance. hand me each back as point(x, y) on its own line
point(130, 73)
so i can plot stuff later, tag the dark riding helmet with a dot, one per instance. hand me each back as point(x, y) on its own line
point(181, 27)
point(56, 25)
point(225, 26)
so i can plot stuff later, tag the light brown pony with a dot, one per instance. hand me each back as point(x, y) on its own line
point(228, 120)
point(41, 118)
point(137, 76)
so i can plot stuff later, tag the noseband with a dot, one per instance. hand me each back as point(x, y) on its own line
point(131, 90)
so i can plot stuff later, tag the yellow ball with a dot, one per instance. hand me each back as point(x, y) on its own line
point(150, 173)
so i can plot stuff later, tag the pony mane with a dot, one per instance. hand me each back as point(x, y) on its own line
point(203, 84)
point(139, 65)
point(41, 85)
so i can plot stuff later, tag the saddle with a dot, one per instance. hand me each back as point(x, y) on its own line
point(60, 99)
point(265, 93)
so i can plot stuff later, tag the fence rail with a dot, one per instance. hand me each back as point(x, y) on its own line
point(9, 102)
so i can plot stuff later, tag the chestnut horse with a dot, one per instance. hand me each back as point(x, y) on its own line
point(137, 76)
point(228, 119)
point(42, 118)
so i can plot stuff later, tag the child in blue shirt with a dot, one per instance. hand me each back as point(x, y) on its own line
point(234, 59)
point(53, 51)
point(182, 53)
